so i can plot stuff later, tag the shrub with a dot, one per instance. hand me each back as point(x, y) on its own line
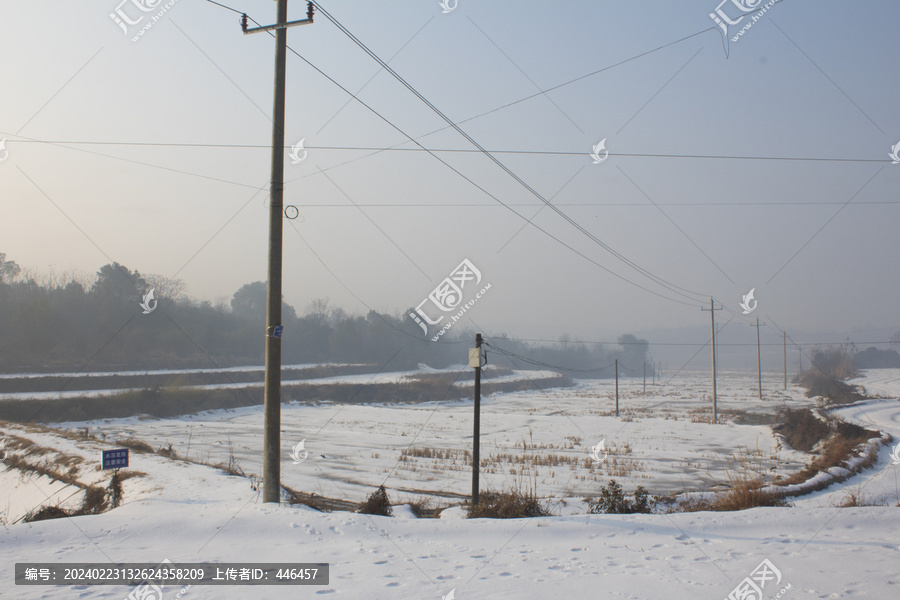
point(613, 501)
point(377, 504)
point(114, 491)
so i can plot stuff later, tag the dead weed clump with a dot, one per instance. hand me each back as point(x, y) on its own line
point(507, 505)
point(136, 445)
point(377, 504)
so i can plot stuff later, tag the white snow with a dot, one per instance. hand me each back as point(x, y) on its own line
point(193, 513)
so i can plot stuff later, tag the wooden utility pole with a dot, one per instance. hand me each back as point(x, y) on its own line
point(272, 385)
point(784, 338)
point(712, 315)
point(617, 387)
point(476, 434)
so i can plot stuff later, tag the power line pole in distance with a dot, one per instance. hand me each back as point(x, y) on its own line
point(758, 357)
point(475, 362)
point(712, 315)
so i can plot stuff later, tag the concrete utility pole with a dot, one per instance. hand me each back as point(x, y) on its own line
point(784, 337)
point(272, 386)
point(712, 315)
point(476, 435)
point(617, 387)
point(758, 358)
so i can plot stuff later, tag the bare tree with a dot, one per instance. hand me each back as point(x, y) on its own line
point(167, 288)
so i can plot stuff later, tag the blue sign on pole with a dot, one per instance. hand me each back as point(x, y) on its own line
point(115, 459)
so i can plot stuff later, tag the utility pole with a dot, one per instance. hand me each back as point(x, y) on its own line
point(476, 435)
point(712, 315)
point(617, 387)
point(645, 378)
point(758, 358)
point(272, 385)
point(784, 337)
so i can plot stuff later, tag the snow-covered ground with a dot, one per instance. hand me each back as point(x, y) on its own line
point(531, 438)
point(192, 513)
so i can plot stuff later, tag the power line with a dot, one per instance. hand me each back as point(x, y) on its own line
point(480, 188)
point(580, 153)
point(659, 280)
point(703, 344)
point(477, 186)
point(590, 204)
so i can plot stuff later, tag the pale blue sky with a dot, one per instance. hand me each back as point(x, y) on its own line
point(808, 80)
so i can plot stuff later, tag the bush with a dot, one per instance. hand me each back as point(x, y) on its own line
point(613, 501)
point(507, 505)
point(377, 504)
point(836, 363)
point(114, 491)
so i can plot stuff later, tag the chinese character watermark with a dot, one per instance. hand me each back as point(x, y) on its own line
point(751, 588)
point(730, 13)
point(448, 296)
point(140, 9)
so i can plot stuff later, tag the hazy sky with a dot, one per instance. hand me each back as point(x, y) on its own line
point(155, 154)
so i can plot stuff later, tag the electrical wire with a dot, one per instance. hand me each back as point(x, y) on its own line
point(268, 147)
point(480, 188)
point(659, 280)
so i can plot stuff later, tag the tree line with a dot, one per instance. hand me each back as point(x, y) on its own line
point(55, 323)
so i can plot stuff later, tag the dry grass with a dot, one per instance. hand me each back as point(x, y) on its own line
point(233, 466)
point(507, 505)
point(136, 445)
point(168, 452)
point(844, 443)
point(853, 499)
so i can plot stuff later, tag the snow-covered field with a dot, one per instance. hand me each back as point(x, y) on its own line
point(529, 439)
point(192, 513)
